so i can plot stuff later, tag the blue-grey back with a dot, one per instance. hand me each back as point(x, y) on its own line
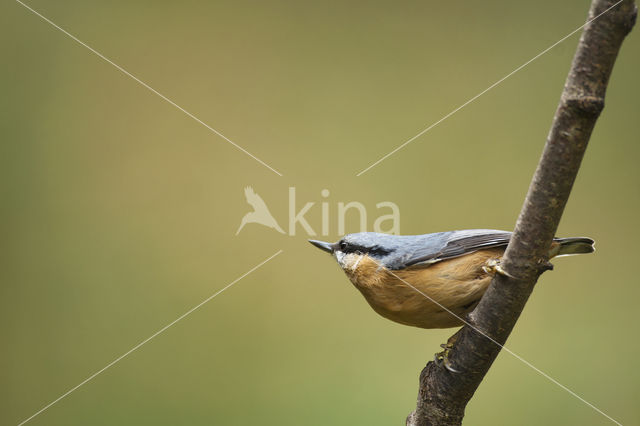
point(401, 251)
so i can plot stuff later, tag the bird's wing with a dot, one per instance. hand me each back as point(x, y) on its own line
point(254, 199)
point(429, 249)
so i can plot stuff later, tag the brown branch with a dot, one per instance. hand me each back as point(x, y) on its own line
point(443, 395)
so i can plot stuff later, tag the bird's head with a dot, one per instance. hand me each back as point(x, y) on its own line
point(352, 248)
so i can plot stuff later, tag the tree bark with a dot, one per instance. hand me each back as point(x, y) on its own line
point(443, 395)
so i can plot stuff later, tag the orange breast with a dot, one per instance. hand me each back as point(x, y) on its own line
point(436, 296)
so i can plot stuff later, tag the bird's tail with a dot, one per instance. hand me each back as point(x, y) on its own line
point(571, 246)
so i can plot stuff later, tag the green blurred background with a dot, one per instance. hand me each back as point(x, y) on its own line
point(119, 212)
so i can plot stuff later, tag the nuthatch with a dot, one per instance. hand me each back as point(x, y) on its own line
point(451, 268)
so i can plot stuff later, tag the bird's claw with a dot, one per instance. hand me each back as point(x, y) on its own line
point(545, 265)
point(493, 267)
point(442, 358)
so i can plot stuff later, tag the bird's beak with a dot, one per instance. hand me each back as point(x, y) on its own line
point(328, 247)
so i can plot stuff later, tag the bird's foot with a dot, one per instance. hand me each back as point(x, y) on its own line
point(442, 358)
point(493, 267)
point(545, 265)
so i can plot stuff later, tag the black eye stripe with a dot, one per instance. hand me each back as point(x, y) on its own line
point(378, 251)
point(354, 248)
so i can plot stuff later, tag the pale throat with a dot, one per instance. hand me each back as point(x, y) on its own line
point(349, 261)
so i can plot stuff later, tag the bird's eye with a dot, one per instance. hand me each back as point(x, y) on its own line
point(343, 245)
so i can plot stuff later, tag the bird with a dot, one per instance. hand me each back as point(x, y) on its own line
point(431, 280)
point(260, 213)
